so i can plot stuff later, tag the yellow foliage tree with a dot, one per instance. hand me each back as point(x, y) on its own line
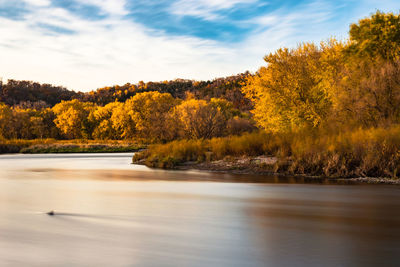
point(5, 119)
point(72, 118)
point(20, 125)
point(294, 91)
point(122, 122)
point(199, 119)
point(102, 117)
point(149, 112)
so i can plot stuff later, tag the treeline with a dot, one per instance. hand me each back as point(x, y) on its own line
point(228, 88)
point(151, 116)
point(33, 94)
point(27, 94)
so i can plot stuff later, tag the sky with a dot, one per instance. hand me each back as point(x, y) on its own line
point(88, 44)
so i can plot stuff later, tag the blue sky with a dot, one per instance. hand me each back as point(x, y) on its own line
point(86, 44)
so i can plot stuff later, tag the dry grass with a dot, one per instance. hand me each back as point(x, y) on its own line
point(371, 152)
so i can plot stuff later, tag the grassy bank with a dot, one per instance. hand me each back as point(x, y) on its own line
point(371, 152)
point(67, 146)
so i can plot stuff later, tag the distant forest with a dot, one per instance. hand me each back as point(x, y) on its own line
point(28, 94)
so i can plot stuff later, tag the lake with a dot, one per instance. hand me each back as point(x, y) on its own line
point(112, 213)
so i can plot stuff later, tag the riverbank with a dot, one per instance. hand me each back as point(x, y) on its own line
point(67, 146)
point(352, 154)
point(268, 166)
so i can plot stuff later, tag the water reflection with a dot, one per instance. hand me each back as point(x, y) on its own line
point(125, 215)
point(335, 228)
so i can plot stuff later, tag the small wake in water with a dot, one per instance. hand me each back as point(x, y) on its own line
point(58, 214)
point(70, 214)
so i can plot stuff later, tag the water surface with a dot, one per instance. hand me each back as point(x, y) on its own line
point(112, 213)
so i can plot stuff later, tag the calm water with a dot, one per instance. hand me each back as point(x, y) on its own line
point(112, 213)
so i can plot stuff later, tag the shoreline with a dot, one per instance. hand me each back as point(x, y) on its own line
point(304, 178)
point(257, 166)
point(68, 146)
point(264, 167)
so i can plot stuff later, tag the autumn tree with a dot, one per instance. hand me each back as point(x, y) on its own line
point(368, 93)
point(290, 92)
point(225, 107)
point(149, 112)
point(199, 119)
point(20, 124)
point(42, 124)
point(37, 127)
point(102, 117)
point(122, 122)
point(376, 36)
point(16, 122)
point(49, 117)
point(72, 118)
point(5, 118)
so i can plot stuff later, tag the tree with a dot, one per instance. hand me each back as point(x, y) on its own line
point(369, 93)
point(291, 92)
point(15, 92)
point(20, 124)
point(72, 118)
point(198, 119)
point(5, 119)
point(102, 117)
point(149, 112)
point(225, 107)
point(38, 128)
point(46, 120)
point(376, 36)
point(122, 122)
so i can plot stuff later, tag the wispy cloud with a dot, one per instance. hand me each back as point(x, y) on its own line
point(38, 2)
point(113, 7)
point(205, 9)
point(100, 53)
point(108, 43)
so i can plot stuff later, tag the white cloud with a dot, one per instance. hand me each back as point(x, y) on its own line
point(205, 9)
point(114, 7)
point(38, 2)
point(112, 51)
